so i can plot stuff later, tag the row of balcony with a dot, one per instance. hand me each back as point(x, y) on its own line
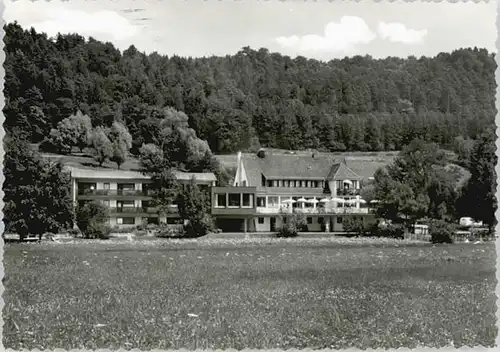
point(318, 211)
point(348, 192)
point(149, 210)
point(113, 192)
point(128, 192)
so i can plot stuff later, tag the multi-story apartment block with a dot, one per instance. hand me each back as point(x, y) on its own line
point(268, 185)
point(126, 194)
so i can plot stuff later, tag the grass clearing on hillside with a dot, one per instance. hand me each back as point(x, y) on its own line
point(280, 294)
point(363, 163)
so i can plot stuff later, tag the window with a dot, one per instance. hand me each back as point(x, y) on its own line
point(261, 201)
point(153, 220)
point(321, 220)
point(125, 204)
point(221, 201)
point(128, 221)
point(309, 220)
point(234, 200)
point(106, 186)
point(272, 201)
point(275, 183)
point(261, 220)
point(244, 183)
point(269, 183)
point(247, 200)
point(105, 203)
point(125, 221)
point(339, 219)
point(126, 186)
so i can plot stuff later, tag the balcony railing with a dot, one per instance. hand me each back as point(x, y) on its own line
point(317, 211)
point(348, 192)
point(149, 210)
point(113, 192)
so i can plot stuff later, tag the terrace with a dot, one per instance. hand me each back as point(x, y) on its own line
point(314, 211)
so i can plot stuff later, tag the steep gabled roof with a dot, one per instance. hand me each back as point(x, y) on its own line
point(294, 167)
point(342, 172)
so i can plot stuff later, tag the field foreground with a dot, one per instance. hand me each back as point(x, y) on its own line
point(281, 294)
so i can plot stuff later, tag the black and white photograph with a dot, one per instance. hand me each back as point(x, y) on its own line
point(187, 174)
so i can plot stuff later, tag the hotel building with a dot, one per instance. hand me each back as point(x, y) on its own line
point(268, 185)
point(126, 194)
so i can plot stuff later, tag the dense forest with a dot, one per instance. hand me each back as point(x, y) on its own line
point(251, 99)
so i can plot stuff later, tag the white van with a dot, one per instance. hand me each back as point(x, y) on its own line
point(469, 222)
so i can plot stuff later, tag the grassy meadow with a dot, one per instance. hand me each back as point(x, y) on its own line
point(218, 294)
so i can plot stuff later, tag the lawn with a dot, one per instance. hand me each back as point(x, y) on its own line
point(256, 294)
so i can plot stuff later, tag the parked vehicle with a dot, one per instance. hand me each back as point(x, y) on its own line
point(469, 222)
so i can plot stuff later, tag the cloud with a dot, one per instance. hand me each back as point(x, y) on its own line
point(338, 37)
point(102, 24)
point(399, 33)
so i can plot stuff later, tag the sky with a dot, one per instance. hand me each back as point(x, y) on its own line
point(322, 30)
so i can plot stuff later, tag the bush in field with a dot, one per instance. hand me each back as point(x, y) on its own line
point(199, 226)
point(75, 233)
point(389, 231)
point(354, 226)
point(291, 225)
point(441, 231)
point(91, 219)
point(169, 232)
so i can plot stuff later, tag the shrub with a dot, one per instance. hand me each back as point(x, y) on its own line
point(354, 226)
point(91, 220)
point(75, 233)
point(287, 230)
point(169, 232)
point(198, 226)
point(117, 229)
point(141, 232)
point(441, 231)
point(389, 231)
point(98, 230)
point(291, 225)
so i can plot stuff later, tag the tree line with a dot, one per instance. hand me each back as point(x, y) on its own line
point(251, 99)
point(419, 185)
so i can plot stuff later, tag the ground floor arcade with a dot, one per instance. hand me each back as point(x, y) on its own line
point(269, 223)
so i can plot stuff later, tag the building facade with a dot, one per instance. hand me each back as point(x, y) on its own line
point(267, 186)
point(126, 194)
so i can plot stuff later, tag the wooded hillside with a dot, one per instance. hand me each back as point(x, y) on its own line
point(250, 99)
